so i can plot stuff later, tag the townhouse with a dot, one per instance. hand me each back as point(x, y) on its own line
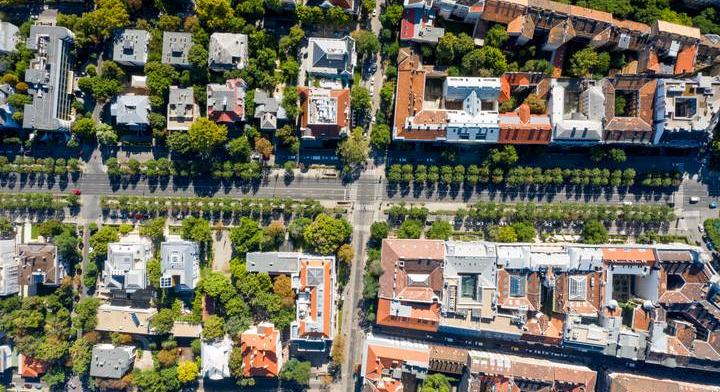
point(652, 303)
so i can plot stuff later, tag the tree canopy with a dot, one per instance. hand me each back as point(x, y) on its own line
point(205, 135)
point(325, 234)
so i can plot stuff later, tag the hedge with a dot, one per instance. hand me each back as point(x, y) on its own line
point(36, 201)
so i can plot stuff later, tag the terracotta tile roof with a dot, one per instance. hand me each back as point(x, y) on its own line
point(632, 26)
point(344, 4)
point(521, 127)
point(694, 278)
point(662, 26)
point(326, 290)
point(407, 24)
point(503, 11)
point(530, 297)
point(629, 256)
point(423, 317)
point(703, 350)
point(575, 11)
point(409, 93)
point(30, 367)
point(641, 319)
point(594, 295)
point(401, 258)
point(342, 112)
point(685, 61)
point(624, 382)
point(447, 359)
point(39, 258)
point(381, 358)
point(262, 353)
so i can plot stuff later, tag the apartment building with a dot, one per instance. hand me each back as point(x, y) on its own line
point(325, 113)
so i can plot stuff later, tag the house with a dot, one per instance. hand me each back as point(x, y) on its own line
point(392, 364)
point(175, 49)
point(522, 127)
point(418, 24)
point(226, 102)
point(325, 113)
point(332, 57)
point(261, 351)
point(7, 110)
point(182, 110)
point(411, 284)
point(130, 47)
point(314, 281)
point(125, 319)
point(9, 268)
point(6, 358)
point(49, 76)
point(131, 111)
point(215, 358)
point(349, 6)
point(686, 110)
point(109, 361)
point(39, 266)
point(466, 110)
point(8, 37)
point(184, 329)
point(577, 110)
point(629, 102)
point(268, 110)
point(506, 373)
point(626, 382)
point(126, 265)
point(227, 51)
point(30, 367)
point(179, 265)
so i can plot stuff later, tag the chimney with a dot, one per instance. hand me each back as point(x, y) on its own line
point(524, 113)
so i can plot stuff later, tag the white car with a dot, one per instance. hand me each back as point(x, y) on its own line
point(701, 228)
point(374, 14)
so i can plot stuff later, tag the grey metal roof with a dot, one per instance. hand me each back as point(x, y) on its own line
point(50, 78)
point(131, 110)
point(268, 109)
point(8, 37)
point(109, 361)
point(179, 264)
point(131, 46)
point(176, 47)
point(273, 262)
point(227, 51)
point(332, 56)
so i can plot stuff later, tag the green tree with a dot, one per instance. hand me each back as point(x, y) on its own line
point(379, 231)
point(525, 231)
point(296, 372)
point(106, 135)
point(247, 236)
point(205, 135)
point(486, 61)
point(537, 104)
point(108, 16)
point(213, 328)
point(187, 371)
point(214, 14)
point(346, 254)
point(296, 229)
point(217, 285)
point(436, 382)
point(80, 356)
point(86, 313)
point(196, 229)
point(154, 229)
point(503, 234)
point(290, 102)
point(587, 62)
point(84, 127)
point(163, 321)
point(617, 155)
point(7, 230)
point(496, 36)
point(325, 234)
point(440, 230)
point(366, 43)
point(360, 99)
point(594, 232)
point(353, 150)
point(410, 229)
point(239, 148)
point(100, 240)
point(154, 272)
point(392, 15)
point(380, 136)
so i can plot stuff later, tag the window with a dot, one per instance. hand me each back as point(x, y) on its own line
point(578, 288)
point(517, 286)
point(468, 286)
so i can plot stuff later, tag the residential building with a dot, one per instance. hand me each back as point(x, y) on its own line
point(179, 265)
point(411, 284)
point(268, 110)
point(8, 37)
point(125, 319)
point(314, 281)
point(506, 373)
point(686, 110)
point(626, 382)
point(130, 47)
point(109, 361)
point(629, 104)
point(125, 269)
point(175, 49)
point(6, 358)
point(9, 268)
point(7, 110)
point(29, 367)
point(131, 112)
point(261, 351)
point(39, 267)
point(522, 127)
point(49, 76)
point(566, 295)
point(577, 110)
point(182, 110)
point(325, 113)
point(418, 23)
point(349, 6)
point(466, 111)
point(215, 358)
point(332, 57)
point(227, 51)
point(184, 329)
point(391, 364)
point(226, 102)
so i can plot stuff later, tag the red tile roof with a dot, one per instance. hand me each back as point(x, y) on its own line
point(629, 256)
point(521, 127)
point(685, 61)
point(342, 111)
point(262, 353)
point(327, 290)
point(30, 367)
point(382, 358)
point(407, 24)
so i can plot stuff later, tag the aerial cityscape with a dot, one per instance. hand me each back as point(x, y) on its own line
point(360, 195)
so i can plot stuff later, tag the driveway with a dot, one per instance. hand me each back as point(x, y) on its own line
point(222, 251)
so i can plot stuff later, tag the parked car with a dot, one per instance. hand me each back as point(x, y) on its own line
point(76, 192)
point(713, 204)
point(694, 199)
